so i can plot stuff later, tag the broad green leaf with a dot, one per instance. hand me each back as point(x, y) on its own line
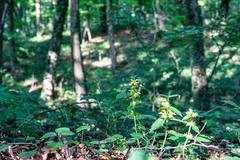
point(172, 132)
point(64, 132)
point(55, 145)
point(157, 124)
point(117, 136)
point(122, 95)
point(174, 138)
point(48, 135)
point(108, 140)
point(95, 142)
point(121, 148)
point(203, 138)
point(136, 135)
point(144, 116)
point(195, 128)
point(178, 149)
point(28, 154)
point(231, 103)
point(4, 147)
point(138, 155)
point(82, 128)
point(157, 134)
point(175, 110)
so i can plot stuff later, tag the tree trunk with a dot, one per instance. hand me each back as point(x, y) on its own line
point(224, 8)
point(38, 18)
point(103, 18)
point(11, 43)
point(3, 11)
point(78, 72)
point(160, 19)
point(87, 30)
point(142, 10)
point(198, 79)
point(112, 49)
point(55, 47)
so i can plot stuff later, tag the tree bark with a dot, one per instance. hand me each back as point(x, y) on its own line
point(160, 19)
point(142, 10)
point(224, 8)
point(112, 49)
point(11, 42)
point(38, 18)
point(198, 79)
point(87, 30)
point(78, 72)
point(55, 47)
point(3, 11)
point(103, 18)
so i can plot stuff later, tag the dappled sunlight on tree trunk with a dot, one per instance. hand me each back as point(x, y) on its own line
point(78, 72)
point(198, 62)
point(3, 12)
point(112, 50)
point(11, 43)
point(54, 51)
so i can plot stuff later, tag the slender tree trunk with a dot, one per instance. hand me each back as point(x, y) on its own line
point(55, 47)
point(224, 8)
point(87, 30)
point(78, 72)
point(112, 49)
point(103, 18)
point(160, 19)
point(3, 11)
point(38, 18)
point(198, 79)
point(11, 42)
point(142, 10)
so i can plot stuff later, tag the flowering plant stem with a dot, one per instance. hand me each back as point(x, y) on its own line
point(164, 141)
point(185, 143)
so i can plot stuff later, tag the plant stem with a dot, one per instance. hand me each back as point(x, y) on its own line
point(135, 127)
point(164, 141)
point(185, 144)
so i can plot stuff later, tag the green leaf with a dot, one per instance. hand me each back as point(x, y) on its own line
point(136, 135)
point(121, 148)
point(195, 128)
point(64, 131)
point(122, 95)
point(117, 136)
point(172, 132)
point(4, 147)
point(173, 138)
point(231, 103)
point(28, 154)
point(82, 128)
point(175, 110)
point(95, 142)
point(157, 124)
point(144, 116)
point(138, 155)
point(203, 138)
point(108, 140)
point(48, 135)
point(54, 145)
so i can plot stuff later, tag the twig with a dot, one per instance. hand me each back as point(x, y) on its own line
point(10, 151)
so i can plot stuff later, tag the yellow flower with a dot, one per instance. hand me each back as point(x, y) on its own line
point(191, 114)
point(167, 114)
point(134, 83)
point(166, 105)
point(134, 93)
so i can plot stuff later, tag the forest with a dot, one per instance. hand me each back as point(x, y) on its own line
point(119, 80)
